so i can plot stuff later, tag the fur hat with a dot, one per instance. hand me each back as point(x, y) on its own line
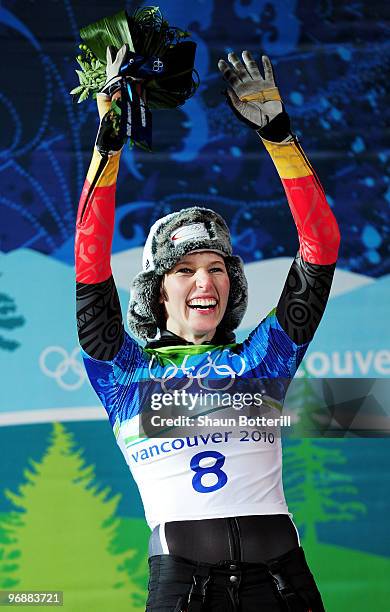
point(171, 238)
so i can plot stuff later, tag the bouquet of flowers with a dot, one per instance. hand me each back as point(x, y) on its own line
point(162, 58)
point(160, 65)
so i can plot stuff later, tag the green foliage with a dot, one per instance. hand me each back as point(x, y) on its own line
point(115, 116)
point(92, 75)
point(112, 31)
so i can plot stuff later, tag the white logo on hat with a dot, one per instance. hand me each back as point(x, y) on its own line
point(195, 231)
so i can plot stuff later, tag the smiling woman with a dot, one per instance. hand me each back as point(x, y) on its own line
point(218, 514)
point(189, 255)
point(195, 295)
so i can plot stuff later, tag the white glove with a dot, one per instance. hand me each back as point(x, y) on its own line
point(114, 64)
point(255, 98)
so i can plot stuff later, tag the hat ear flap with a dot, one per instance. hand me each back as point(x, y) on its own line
point(238, 296)
point(144, 312)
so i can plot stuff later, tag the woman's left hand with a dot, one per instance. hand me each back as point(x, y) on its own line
point(254, 98)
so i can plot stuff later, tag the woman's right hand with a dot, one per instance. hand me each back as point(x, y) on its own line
point(110, 140)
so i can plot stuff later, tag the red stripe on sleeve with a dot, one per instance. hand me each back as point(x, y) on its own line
point(94, 234)
point(318, 232)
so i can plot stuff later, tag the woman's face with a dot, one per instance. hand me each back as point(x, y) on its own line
point(195, 294)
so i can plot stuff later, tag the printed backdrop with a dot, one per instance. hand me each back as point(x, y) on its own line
point(70, 515)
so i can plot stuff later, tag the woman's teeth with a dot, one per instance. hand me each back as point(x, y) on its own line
point(202, 303)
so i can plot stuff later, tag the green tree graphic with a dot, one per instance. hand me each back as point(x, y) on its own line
point(316, 490)
point(61, 535)
point(8, 553)
point(8, 321)
point(306, 402)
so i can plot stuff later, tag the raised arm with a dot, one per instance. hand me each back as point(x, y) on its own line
point(255, 100)
point(99, 317)
point(306, 290)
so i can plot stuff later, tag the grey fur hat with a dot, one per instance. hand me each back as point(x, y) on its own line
point(171, 238)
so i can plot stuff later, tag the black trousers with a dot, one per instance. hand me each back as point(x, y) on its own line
point(283, 584)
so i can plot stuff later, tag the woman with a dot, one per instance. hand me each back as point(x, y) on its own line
point(222, 537)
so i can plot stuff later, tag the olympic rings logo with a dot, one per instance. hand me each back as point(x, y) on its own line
point(157, 65)
point(55, 362)
point(223, 370)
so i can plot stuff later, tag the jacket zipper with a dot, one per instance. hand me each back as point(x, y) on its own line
point(234, 538)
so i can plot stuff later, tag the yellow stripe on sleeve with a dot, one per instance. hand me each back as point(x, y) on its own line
point(103, 103)
point(110, 172)
point(288, 159)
